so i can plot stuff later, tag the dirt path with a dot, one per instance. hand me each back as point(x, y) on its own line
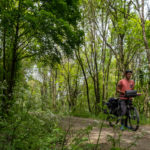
point(140, 138)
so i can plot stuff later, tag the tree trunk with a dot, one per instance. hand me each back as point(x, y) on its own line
point(13, 63)
point(107, 74)
point(44, 91)
point(4, 92)
point(4, 54)
point(53, 87)
point(85, 78)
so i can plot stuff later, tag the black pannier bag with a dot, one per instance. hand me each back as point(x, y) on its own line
point(130, 93)
point(113, 106)
point(112, 103)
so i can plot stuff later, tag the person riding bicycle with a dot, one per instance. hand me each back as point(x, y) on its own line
point(123, 85)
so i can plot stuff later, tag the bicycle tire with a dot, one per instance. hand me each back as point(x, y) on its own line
point(133, 119)
point(112, 120)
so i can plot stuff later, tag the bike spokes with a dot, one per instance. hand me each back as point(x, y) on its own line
point(133, 119)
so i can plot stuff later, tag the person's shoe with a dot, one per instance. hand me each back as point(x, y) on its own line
point(122, 127)
point(128, 127)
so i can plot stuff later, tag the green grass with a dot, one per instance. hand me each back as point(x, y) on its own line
point(83, 114)
point(101, 116)
point(144, 119)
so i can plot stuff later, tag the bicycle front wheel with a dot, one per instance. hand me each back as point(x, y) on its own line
point(133, 119)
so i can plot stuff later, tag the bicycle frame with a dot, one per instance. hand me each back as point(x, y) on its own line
point(132, 114)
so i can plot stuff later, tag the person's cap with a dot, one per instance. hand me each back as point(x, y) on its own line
point(128, 71)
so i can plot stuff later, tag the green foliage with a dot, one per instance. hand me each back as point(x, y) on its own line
point(116, 148)
point(80, 138)
point(144, 119)
point(58, 29)
point(115, 141)
point(82, 113)
point(148, 31)
point(30, 130)
point(26, 126)
point(34, 35)
point(37, 29)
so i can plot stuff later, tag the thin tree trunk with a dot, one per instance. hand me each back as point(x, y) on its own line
point(44, 91)
point(53, 81)
point(107, 76)
point(97, 84)
point(141, 14)
point(42, 95)
point(4, 100)
point(103, 58)
point(85, 78)
point(147, 48)
point(4, 54)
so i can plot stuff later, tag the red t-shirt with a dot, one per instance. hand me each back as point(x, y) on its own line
point(125, 85)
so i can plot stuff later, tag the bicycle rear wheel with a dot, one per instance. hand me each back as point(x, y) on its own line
point(112, 120)
point(133, 119)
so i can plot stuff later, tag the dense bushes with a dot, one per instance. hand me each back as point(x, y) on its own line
point(28, 130)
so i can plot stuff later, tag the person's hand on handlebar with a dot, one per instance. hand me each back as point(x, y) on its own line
point(139, 94)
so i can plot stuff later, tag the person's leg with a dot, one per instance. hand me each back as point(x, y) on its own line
point(126, 117)
point(123, 111)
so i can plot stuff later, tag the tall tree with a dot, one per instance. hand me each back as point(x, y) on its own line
point(140, 7)
point(78, 56)
point(35, 27)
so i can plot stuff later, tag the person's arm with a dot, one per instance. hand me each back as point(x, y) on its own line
point(119, 86)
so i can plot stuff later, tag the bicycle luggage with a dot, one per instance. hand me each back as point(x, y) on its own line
point(130, 93)
point(112, 103)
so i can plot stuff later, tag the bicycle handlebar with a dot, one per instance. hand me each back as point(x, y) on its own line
point(130, 93)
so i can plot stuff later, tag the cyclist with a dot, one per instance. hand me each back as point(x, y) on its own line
point(123, 85)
